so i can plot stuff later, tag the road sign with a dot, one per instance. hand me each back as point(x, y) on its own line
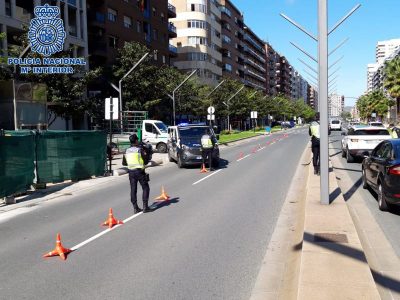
point(211, 110)
point(211, 117)
point(253, 115)
point(114, 108)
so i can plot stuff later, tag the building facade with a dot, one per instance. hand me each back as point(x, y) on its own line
point(385, 48)
point(335, 105)
point(198, 40)
point(112, 23)
point(255, 61)
point(272, 65)
point(313, 98)
point(15, 17)
point(232, 35)
point(284, 77)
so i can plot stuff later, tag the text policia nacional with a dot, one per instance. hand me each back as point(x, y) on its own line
point(46, 65)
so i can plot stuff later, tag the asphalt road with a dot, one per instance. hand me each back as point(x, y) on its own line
point(388, 221)
point(208, 242)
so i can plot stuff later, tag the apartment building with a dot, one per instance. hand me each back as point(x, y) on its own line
point(198, 40)
point(385, 48)
point(335, 105)
point(284, 77)
point(313, 98)
point(255, 72)
point(15, 17)
point(272, 65)
point(232, 35)
point(111, 23)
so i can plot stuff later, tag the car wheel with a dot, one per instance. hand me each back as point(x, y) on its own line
point(349, 157)
point(381, 199)
point(343, 153)
point(180, 162)
point(364, 180)
point(161, 148)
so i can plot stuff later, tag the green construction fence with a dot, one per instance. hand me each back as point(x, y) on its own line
point(17, 162)
point(70, 155)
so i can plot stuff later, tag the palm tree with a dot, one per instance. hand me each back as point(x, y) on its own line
point(392, 78)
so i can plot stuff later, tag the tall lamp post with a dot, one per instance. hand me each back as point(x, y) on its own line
point(119, 88)
point(174, 91)
point(227, 103)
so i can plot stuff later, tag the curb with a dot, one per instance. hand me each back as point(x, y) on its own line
point(279, 273)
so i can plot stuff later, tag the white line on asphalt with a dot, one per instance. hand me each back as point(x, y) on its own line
point(208, 176)
point(104, 232)
point(262, 148)
point(243, 157)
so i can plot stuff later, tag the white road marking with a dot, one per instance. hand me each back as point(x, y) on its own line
point(243, 157)
point(76, 247)
point(260, 149)
point(207, 177)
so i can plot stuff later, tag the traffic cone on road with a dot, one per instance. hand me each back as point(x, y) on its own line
point(111, 221)
point(203, 169)
point(59, 250)
point(164, 196)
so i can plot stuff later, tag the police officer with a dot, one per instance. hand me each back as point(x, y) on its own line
point(207, 145)
point(393, 131)
point(136, 158)
point(314, 132)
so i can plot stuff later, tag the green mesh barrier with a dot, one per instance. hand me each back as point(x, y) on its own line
point(70, 155)
point(17, 156)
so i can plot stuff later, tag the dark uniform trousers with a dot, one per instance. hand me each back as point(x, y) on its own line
point(135, 176)
point(315, 148)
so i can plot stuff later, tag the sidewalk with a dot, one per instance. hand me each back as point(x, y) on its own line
point(333, 262)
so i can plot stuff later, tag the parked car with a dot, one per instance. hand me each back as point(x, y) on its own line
point(361, 139)
point(381, 171)
point(376, 124)
point(184, 144)
point(335, 125)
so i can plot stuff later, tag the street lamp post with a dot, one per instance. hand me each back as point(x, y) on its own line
point(177, 88)
point(227, 103)
point(119, 88)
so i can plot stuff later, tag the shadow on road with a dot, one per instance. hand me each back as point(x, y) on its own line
point(344, 169)
point(165, 203)
point(336, 153)
point(334, 195)
point(352, 190)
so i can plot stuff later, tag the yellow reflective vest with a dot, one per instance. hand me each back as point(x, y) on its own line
point(206, 142)
point(314, 129)
point(134, 158)
point(393, 133)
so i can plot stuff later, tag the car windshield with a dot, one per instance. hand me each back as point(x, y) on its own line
point(192, 133)
point(376, 124)
point(371, 132)
point(161, 126)
point(336, 122)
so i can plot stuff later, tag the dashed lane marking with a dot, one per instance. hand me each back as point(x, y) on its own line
point(243, 157)
point(212, 174)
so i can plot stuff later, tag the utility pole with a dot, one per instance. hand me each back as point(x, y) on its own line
point(323, 68)
point(173, 93)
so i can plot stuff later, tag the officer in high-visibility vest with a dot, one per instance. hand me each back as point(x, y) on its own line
point(314, 132)
point(207, 145)
point(393, 131)
point(135, 159)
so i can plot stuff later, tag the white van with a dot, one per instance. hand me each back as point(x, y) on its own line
point(335, 125)
point(156, 133)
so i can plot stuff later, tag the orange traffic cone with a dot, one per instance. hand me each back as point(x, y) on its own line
point(164, 196)
point(111, 221)
point(203, 169)
point(59, 250)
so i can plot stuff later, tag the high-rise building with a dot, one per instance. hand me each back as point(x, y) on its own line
point(372, 68)
point(15, 17)
point(112, 23)
point(255, 60)
point(386, 48)
point(272, 65)
point(232, 35)
point(198, 40)
point(313, 98)
point(284, 77)
point(335, 105)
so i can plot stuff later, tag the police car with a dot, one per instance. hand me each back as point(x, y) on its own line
point(184, 144)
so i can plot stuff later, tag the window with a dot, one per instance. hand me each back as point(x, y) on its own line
point(198, 7)
point(162, 17)
point(197, 56)
point(112, 15)
point(155, 34)
point(228, 67)
point(226, 39)
point(197, 40)
point(127, 22)
point(197, 24)
point(164, 60)
point(215, 33)
point(138, 26)
point(226, 11)
point(113, 42)
point(154, 11)
point(155, 55)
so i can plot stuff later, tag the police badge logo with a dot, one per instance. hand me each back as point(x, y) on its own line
point(46, 32)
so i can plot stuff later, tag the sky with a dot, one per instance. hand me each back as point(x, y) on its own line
point(374, 21)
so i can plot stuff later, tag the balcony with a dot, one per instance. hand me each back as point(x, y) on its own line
point(171, 11)
point(173, 51)
point(172, 31)
point(254, 54)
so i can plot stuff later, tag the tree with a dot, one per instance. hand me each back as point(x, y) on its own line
point(374, 102)
point(345, 115)
point(392, 77)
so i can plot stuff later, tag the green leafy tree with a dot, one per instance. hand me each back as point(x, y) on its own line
point(392, 77)
point(374, 102)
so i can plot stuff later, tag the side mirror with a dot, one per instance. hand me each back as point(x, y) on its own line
point(365, 154)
